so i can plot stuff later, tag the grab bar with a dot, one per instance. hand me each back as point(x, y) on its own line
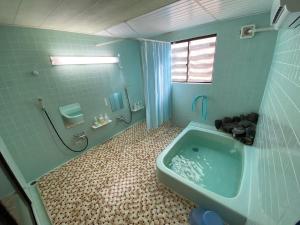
point(204, 105)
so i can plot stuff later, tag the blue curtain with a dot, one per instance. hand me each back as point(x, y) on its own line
point(156, 63)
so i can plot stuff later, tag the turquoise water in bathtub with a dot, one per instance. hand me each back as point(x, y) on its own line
point(210, 161)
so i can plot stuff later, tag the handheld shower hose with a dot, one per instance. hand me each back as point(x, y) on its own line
point(58, 135)
point(129, 108)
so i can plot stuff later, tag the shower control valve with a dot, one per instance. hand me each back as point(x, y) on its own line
point(80, 135)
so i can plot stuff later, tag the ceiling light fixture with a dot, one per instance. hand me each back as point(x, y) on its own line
point(66, 60)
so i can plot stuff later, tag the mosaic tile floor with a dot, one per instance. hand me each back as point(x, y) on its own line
point(115, 183)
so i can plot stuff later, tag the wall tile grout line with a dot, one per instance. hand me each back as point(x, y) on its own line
point(287, 96)
point(285, 77)
point(280, 157)
point(289, 155)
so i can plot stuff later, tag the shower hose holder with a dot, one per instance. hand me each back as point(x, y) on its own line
point(203, 106)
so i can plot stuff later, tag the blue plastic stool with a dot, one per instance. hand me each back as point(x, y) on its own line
point(200, 216)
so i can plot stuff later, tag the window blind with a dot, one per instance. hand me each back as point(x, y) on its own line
point(192, 60)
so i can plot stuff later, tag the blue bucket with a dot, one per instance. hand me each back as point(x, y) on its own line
point(200, 216)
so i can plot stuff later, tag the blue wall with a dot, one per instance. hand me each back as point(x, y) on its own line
point(276, 186)
point(27, 134)
point(240, 71)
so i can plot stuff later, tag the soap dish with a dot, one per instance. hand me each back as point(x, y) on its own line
point(71, 115)
point(94, 126)
point(135, 109)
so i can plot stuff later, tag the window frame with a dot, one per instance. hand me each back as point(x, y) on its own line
point(188, 57)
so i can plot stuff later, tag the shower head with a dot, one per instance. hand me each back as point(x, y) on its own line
point(41, 103)
point(249, 31)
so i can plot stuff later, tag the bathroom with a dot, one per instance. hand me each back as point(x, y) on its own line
point(134, 112)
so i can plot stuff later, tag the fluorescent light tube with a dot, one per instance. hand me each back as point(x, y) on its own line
point(66, 60)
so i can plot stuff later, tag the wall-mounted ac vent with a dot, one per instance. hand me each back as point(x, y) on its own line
point(277, 15)
point(285, 14)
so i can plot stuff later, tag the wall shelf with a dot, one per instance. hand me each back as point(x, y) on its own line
point(137, 109)
point(94, 126)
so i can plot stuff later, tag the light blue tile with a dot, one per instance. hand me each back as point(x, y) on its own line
point(25, 131)
point(240, 71)
point(280, 108)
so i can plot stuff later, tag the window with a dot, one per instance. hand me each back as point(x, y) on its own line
point(193, 59)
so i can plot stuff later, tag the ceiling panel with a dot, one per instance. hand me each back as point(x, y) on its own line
point(106, 14)
point(8, 10)
point(122, 30)
point(225, 9)
point(188, 13)
point(99, 15)
point(65, 12)
point(83, 16)
point(178, 15)
point(124, 18)
point(104, 33)
point(34, 12)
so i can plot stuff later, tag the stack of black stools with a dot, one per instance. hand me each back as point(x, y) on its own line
point(242, 128)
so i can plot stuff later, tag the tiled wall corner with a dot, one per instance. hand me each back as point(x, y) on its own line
point(278, 137)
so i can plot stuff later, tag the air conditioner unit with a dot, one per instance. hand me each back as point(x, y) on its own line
point(285, 14)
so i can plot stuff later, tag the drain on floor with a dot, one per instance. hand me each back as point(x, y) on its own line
point(195, 149)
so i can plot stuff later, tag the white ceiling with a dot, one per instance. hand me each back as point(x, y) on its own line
point(82, 16)
point(186, 13)
point(124, 18)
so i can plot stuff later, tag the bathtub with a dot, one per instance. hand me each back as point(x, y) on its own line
point(209, 168)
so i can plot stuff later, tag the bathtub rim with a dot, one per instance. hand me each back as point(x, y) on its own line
point(180, 178)
point(244, 187)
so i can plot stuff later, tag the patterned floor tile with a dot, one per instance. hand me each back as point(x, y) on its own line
point(115, 184)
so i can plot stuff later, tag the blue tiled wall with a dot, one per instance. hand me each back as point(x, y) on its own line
point(24, 129)
point(277, 187)
point(240, 71)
